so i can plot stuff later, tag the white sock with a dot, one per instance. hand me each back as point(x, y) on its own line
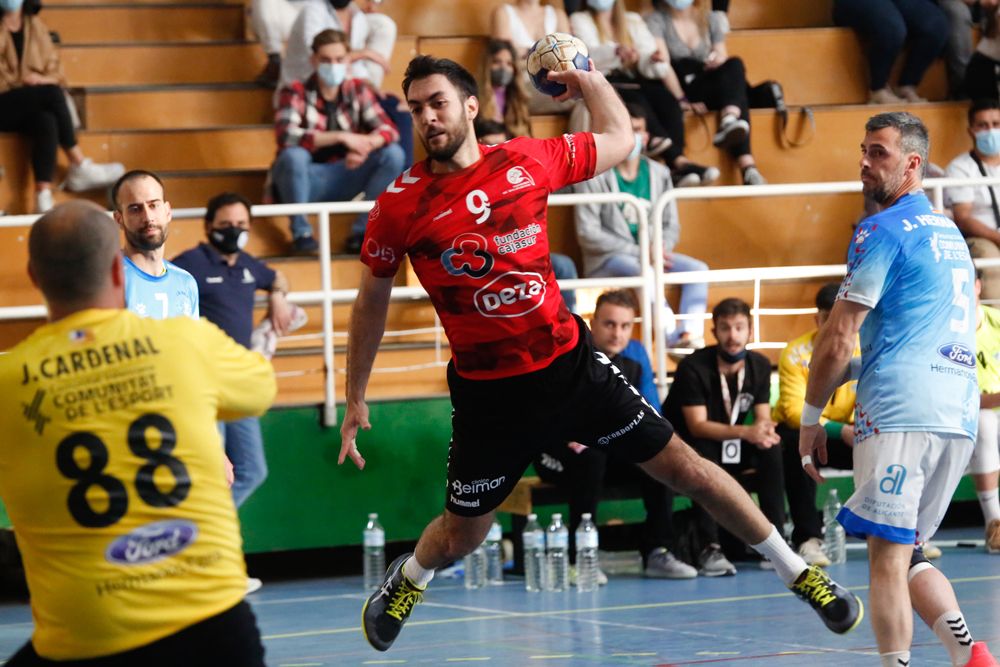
point(954, 634)
point(417, 573)
point(787, 564)
point(895, 659)
point(989, 501)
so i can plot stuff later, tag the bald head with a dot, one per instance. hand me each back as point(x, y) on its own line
point(71, 252)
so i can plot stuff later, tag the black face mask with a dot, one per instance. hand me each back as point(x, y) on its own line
point(228, 240)
point(340, 4)
point(732, 358)
point(501, 76)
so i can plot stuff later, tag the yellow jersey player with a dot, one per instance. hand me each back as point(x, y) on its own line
point(111, 468)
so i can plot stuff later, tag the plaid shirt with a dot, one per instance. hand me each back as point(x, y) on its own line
point(302, 112)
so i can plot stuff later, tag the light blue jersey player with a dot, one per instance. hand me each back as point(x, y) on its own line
point(170, 294)
point(909, 293)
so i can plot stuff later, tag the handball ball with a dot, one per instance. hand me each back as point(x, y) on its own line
point(557, 52)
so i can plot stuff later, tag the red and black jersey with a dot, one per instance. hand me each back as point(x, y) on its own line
point(478, 242)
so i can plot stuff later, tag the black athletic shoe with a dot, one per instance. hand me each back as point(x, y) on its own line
point(839, 608)
point(387, 609)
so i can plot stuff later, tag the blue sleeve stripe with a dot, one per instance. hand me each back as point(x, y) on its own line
point(856, 526)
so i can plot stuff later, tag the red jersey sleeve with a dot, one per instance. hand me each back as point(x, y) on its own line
point(568, 159)
point(385, 240)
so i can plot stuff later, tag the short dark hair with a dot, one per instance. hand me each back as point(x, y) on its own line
point(636, 110)
point(422, 67)
point(826, 296)
point(484, 127)
point(983, 104)
point(131, 176)
point(730, 307)
point(495, 46)
point(618, 297)
point(222, 200)
point(70, 252)
point(913, 136)
point(330, 36)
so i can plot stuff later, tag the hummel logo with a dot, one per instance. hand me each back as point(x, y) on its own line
point(33, 413)
point(441, 215)
point(959, 630)
point(404, 179)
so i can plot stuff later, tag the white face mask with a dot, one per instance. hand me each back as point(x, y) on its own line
point(680, 4)
point(332, 74)
point(637, 149)
point(600, 5)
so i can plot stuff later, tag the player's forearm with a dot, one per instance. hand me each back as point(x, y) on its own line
point(829, 366)
point(365, 334)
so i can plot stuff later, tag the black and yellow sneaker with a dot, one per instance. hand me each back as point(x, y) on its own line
point(839, 608)
point(387, 609)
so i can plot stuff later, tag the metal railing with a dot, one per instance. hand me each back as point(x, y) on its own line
point(653, 280)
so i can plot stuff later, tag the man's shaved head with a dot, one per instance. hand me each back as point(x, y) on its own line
point(71, 250)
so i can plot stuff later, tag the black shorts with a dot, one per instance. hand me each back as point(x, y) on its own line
point(500, 426)
point(229, 638)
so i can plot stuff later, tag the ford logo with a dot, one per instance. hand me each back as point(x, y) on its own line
point(153, 542)
point(958, 354)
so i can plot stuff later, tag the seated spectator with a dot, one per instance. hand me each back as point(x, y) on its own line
point(985, 462)
point(623, 49)
point(334, 141)
point(228, 280)
point(490, 133)
point(837, 420)
point(608, 234)
point(33, 104)
point(981, 78)
point(962, 16)
point(975, 208)
point(704, 77)
point(715, 392)
point(503, 97)
point(583, 471)
point(886, 25)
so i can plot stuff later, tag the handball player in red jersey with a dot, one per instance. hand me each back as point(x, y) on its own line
point(524, 371)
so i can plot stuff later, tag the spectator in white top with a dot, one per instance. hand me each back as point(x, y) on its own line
point(624, 50)
point(524, 22)
point(975, 208)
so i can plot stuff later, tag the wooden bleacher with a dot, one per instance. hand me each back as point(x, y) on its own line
point(167, 85)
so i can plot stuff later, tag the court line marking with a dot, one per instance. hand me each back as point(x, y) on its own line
point(633, 607)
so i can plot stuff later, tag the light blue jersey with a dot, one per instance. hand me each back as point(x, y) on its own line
point(911, 266)
point(169, 295)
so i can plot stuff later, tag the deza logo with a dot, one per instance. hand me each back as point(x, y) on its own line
point(152, 542)
point(958, 354)
point(511, 294)
point(892, 483)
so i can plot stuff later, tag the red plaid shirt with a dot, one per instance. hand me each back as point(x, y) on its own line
point(302, 112)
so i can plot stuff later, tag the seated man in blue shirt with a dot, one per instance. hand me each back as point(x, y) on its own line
point(227, 280)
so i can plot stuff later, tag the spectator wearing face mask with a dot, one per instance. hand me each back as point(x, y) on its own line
point(975, 208)
point(504, 98)
point(335, 141)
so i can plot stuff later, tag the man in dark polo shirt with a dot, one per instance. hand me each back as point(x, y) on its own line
point(715, 390)
point(228, 280)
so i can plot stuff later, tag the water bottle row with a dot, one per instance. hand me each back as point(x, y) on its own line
point(546, 556)
point(834, 537)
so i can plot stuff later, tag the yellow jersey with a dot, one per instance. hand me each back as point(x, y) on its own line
point(111, 469)
point(988, 350)
point(793, 376)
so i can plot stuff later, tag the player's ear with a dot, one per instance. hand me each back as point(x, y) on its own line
point(471, 107)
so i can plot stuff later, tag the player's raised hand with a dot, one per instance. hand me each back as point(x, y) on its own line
point(573, 80)
point(812, 449)
point(355, 418)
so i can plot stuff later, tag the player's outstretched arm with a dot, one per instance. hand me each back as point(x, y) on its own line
point(828, 368)
point(365, 334)
point(609, 119)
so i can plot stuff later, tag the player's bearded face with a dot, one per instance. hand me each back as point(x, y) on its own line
point(150, 236)
point(442, 140)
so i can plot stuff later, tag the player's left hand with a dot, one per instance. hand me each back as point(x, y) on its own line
point(572, 79)
point(812, 443)
point(355, 418)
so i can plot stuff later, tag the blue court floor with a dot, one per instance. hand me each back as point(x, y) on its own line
point(744, 620)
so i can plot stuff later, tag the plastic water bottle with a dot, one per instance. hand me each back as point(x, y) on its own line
point(494, 555)
point(586, 555)
point(533, 539)
point(556, 555)
point(374, 553)
point(834, 537)
point(475, 568)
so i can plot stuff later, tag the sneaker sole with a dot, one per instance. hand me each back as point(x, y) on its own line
point(731, 138)
point(727, 573)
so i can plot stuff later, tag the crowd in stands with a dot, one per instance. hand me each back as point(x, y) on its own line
point(341, 135)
